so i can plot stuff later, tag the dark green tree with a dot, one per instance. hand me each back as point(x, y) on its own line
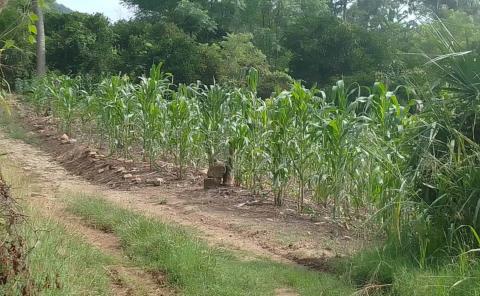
point(80, 43)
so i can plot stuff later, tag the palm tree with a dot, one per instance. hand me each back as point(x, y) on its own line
point(41, 60)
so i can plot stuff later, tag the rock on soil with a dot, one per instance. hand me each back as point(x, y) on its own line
point(155, 182)
point(64, 137)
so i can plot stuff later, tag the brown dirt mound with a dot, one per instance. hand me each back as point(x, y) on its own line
point(93, 165)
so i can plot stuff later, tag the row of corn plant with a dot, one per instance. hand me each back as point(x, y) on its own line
point(302, 143)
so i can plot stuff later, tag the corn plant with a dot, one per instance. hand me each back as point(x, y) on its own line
point(300, 148)
point(181, 131)
point(39, 93)
point(279, 164)
point(247, 140)
point(66, 96)
point(151, 94)
point(114, 108)
point(211, 101)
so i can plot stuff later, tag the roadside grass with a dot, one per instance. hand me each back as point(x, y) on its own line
point(193, 266)
point(61, 263)
point(10, 123)
point(58, 263)
point(400, 275)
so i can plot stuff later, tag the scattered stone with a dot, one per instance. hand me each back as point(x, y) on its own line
point(137, 180)
point(101, 171)
point(129, 161)
point(64, 137)
point(92, 154)
point(128, 176)
point(72, 141)
point(121, 170)
point(211, 183)
point(155, 182)
point(162, 201)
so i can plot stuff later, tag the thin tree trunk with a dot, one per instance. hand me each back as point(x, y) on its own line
point(41, 59)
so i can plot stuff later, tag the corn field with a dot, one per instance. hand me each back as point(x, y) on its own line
point(352, 149)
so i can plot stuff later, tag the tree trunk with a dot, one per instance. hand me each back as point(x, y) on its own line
point(41, 60)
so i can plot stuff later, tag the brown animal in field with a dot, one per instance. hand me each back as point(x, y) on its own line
point(218, 174)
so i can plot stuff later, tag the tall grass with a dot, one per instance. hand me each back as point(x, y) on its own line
point(55, 261)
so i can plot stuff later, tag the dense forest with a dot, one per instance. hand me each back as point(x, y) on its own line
point(318, 42)
point(361, 111)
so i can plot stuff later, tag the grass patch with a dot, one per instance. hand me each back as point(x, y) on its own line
point(11, 125)
point(61, 263)
point(193, 266)
point(400, 275)
point(57, 262)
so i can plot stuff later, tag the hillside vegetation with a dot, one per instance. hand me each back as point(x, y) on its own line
point(361, 111)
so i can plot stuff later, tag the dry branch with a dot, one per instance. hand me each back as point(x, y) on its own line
point(13, 249)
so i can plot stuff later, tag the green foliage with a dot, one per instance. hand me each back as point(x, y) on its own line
point(80, 43)
point(65, 100)
point(182, 132)
point(141, 43)
point(112, 107)
point(391, 273)
point(15, 51)
point(150, 96)
point(238, 55)
point(331, 48)
point(193, 19)
point(63, 264)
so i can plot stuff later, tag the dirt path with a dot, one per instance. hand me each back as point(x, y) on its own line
point(126, 280)
point(222, 222)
